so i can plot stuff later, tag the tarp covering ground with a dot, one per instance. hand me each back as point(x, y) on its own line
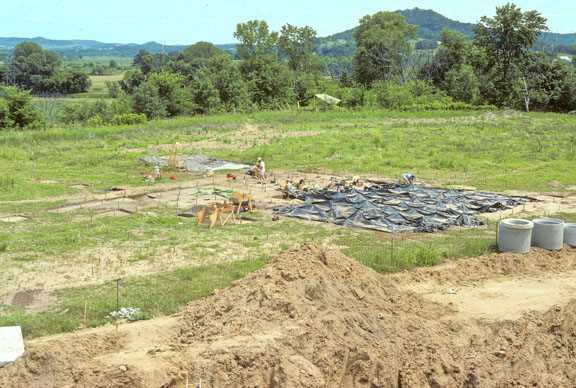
point(195, 163)
point(394, 208)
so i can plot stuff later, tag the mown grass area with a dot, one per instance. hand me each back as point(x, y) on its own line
point(99, 88)
point(493, 151)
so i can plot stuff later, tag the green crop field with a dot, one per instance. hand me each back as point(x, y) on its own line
point(166, 260)
point(99, 87)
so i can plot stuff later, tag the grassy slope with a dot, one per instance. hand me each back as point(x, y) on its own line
point(488, 151)
point(521, 152)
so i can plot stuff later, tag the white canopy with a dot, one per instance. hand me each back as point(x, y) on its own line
point(328, 99)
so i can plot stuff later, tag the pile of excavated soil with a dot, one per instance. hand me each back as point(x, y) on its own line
point(538, 261)
point(312, 318)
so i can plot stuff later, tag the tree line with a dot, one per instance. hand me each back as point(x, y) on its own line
point(278, 70)
point(498, 67)
point(41, 72)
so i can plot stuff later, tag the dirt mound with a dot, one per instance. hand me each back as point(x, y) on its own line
point(64, 361)
point(478, 268)
point(313, 318)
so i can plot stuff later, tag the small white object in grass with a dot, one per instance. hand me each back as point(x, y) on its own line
point(11, 344)
point(128, 313)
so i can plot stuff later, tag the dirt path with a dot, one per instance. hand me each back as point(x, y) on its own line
point(505, 298)
point(497, 287)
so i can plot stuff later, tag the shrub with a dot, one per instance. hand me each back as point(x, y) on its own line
point(5, 121)
point(98, 113)
point(129, 119)
point(73, 82)
point(114, 89)
point(353, 97)
point(17, 111)
point(413, 95)
point(162, 95)
point(462, 84)
point(95, 121)
point(205, 96)
point(269, 82)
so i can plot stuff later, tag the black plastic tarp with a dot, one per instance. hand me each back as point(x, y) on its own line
point(395, 208)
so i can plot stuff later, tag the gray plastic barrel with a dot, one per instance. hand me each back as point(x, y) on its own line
point(570, 235)
point(548, 234)
point(515, 235)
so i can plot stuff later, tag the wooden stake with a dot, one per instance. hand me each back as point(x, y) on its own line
point(85, 313)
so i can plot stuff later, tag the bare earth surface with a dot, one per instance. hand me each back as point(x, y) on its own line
point(315, 318)
point(101, 264)
point(513, 288)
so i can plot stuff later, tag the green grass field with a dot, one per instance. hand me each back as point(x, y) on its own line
point(51, 107)
point(99, 60)
point(489, 150)
point(99, 89)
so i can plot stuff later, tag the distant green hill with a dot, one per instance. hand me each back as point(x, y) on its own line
point(430, 25)
point(92, 48)
point(89, 48)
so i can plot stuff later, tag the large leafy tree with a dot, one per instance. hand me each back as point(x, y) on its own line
point(193, 58)
point(200, 51)
point(205, 98)
point(551, 84)
point(297, 44)
point(507, 39)
point(269, 82)
point(455, 50)
point(17, 110)
point(150, 63)
point(31, 64)
point(255, 39)
point(161, 95)
point(40, 71)
point(383, 41)
point(228, 82)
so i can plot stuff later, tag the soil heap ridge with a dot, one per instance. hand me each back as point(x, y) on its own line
point(312, 318)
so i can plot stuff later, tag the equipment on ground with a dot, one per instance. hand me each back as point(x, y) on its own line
point(223, 213)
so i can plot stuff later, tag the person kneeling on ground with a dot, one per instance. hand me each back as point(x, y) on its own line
point(407, 179)
point(258, 170)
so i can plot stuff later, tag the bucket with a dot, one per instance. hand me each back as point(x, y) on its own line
point(570, 235)
point(548, 234)
point(515, 235)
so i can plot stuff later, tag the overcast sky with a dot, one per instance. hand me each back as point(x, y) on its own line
point(187, 21)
